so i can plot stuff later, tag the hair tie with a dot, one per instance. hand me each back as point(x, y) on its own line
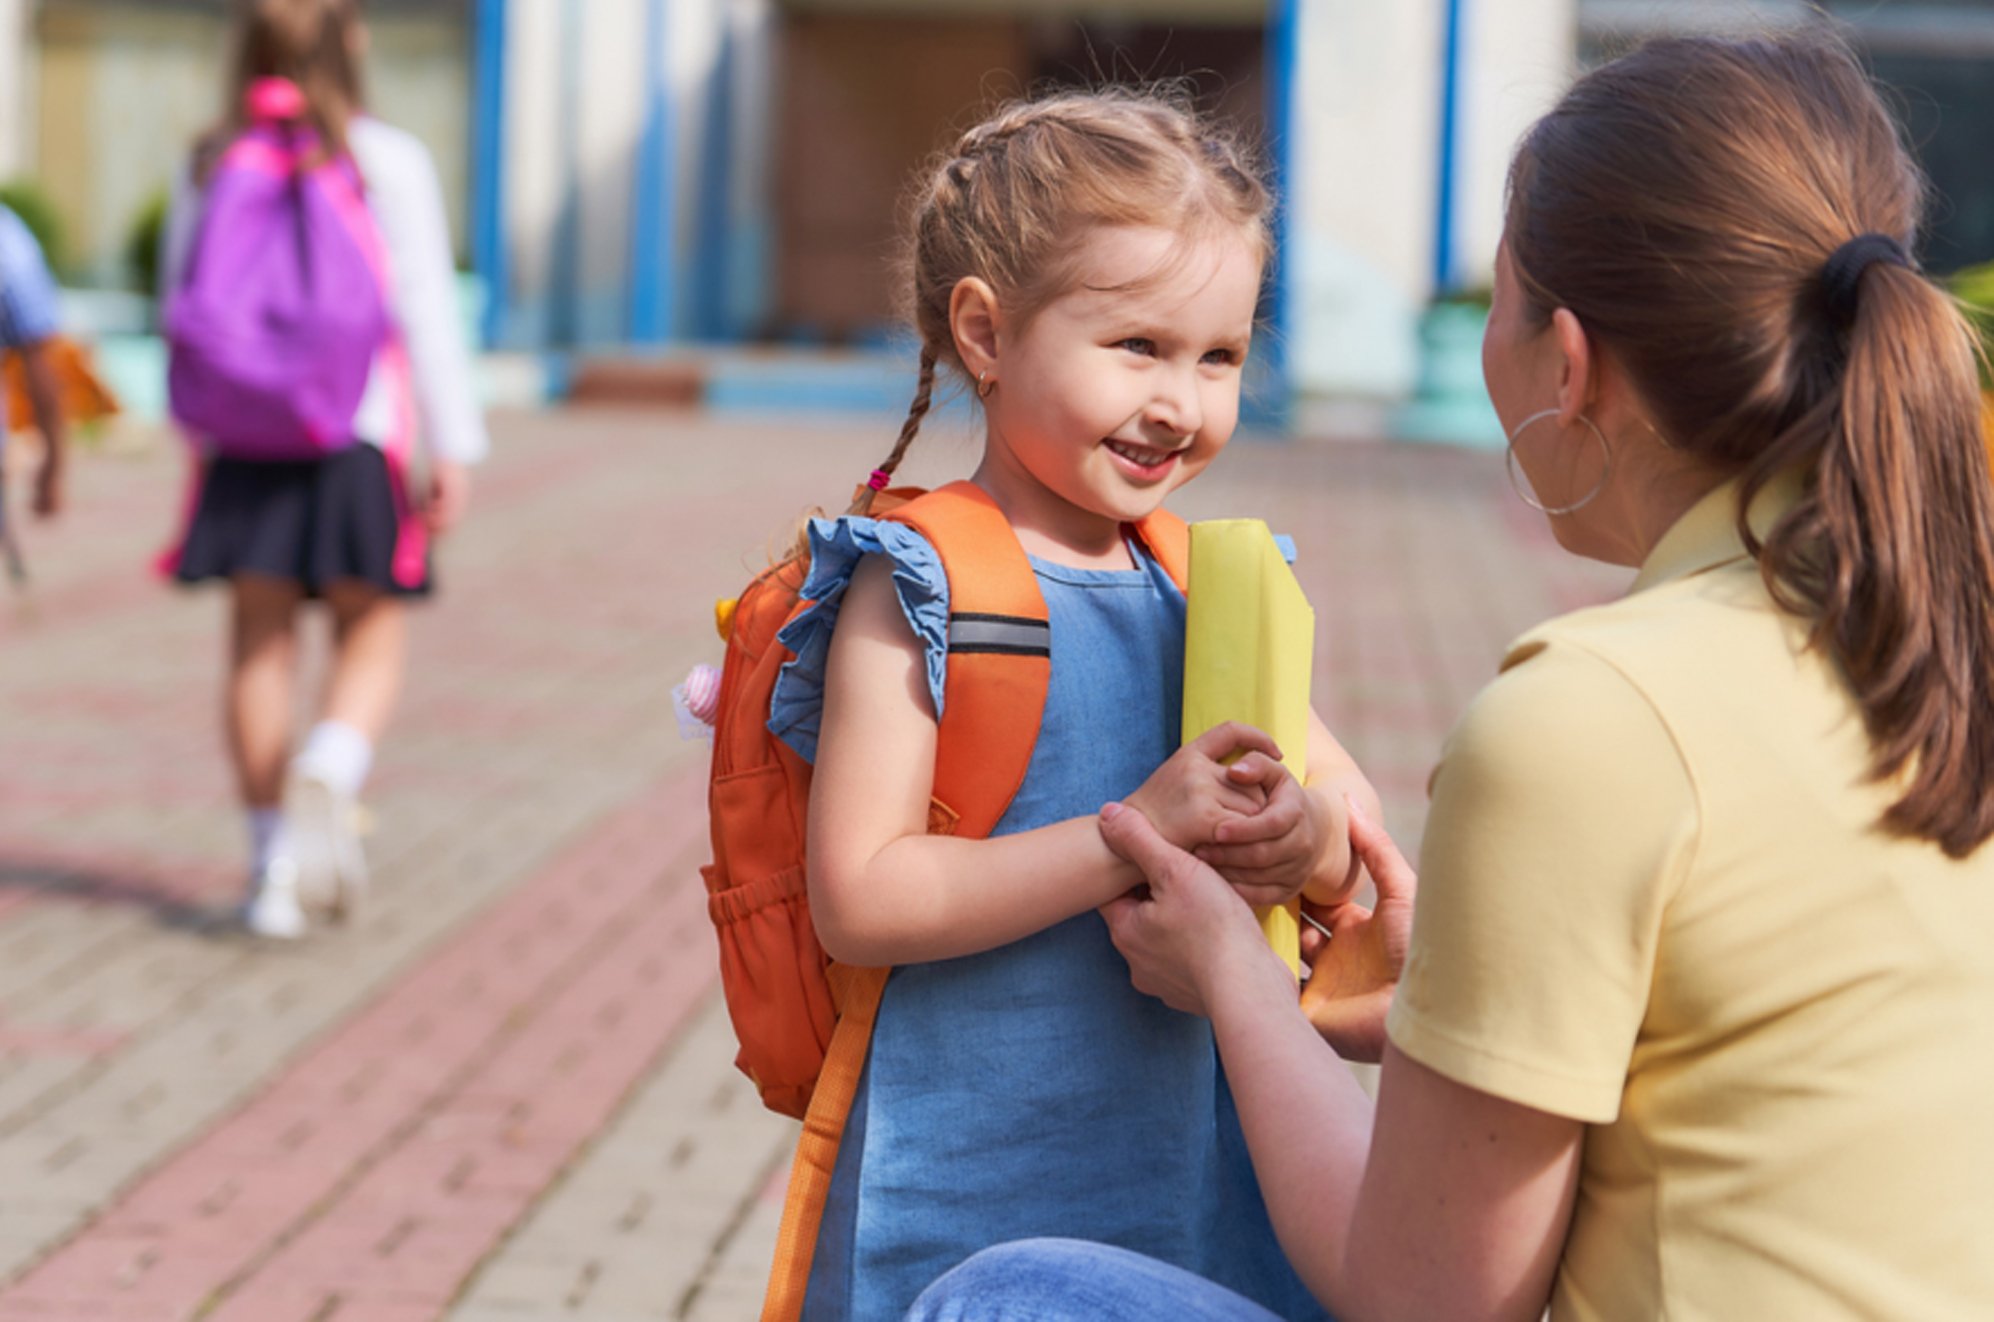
point(273, 99)
point(880, 477)
point(1841, 274)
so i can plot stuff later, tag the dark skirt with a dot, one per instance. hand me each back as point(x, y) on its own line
point(311, 522)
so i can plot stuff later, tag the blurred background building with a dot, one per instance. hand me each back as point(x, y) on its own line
point(675, 177)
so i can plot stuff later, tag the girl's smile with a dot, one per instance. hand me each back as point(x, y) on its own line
point(1116, 392)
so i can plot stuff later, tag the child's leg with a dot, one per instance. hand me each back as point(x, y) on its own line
point(370, 647)
point(262, 658)
point(370, 642)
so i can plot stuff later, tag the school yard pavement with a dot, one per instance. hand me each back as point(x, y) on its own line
point(505, 1092)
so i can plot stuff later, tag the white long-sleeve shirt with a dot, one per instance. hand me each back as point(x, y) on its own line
point(407, 203)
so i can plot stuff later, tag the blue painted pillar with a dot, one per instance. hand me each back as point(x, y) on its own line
point(488, 237)
point(653, 229)
point(1282, 53)
point(1446, 247)
point(713, 236)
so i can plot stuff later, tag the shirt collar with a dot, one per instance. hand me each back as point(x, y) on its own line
point(1707, 535)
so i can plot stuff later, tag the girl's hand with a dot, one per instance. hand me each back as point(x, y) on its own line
point(1353, 973)
point(1190, 932)
point(1187, 797)
point(449, 494)
point(1271, 855)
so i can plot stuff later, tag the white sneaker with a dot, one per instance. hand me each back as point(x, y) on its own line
point(322, 830)
point(272, 909)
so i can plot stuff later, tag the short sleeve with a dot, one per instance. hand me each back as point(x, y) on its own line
point(1563, 820)
point(836, 547)
point(29, 312)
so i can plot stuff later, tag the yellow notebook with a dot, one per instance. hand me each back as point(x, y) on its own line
point(1249, 647)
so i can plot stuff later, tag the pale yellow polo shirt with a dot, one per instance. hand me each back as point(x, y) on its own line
point(1654, 897)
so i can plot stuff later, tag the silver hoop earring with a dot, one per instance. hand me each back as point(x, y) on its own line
point(1523, 493)
point(983, 387)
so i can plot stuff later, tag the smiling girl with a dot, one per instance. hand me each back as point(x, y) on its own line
point(1090, 265)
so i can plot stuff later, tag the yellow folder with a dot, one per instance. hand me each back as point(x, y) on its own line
point(1249, 647)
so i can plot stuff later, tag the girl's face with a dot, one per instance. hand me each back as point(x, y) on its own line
point(1122, 389)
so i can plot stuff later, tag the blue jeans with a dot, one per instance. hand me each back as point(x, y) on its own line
point(1067, 1280)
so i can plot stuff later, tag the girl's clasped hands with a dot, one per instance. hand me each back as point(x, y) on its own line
point(1249, 819)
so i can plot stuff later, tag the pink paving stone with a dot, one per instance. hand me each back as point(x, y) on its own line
point(261, 1204)
point(331, 1250)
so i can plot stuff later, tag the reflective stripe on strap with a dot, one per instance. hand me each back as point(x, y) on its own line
point(1005, 635)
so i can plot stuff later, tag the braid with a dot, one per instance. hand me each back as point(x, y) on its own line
point(924, 395)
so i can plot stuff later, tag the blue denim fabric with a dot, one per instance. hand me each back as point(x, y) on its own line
point(836, 546)
point(1069, 1280)
point(1030, 1090)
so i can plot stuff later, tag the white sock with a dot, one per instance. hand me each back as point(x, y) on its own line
point(265, 824)
point(337, 754)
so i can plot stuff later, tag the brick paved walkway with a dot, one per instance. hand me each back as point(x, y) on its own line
point(505, 1093)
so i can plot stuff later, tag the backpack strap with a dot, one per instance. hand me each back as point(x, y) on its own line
point(1168, 540)
point(857, 992)
point(999, 663)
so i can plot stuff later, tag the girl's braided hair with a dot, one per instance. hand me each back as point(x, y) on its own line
point(1009, 202)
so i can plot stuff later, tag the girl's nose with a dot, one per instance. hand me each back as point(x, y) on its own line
point(1175, 406)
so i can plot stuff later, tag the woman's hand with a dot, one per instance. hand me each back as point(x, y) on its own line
point(1187, 797)
point(449, 494)
point(1191, 930)
point(1271, 855)
point(1353, 973)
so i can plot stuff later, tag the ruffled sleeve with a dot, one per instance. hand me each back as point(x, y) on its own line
point(836, 546)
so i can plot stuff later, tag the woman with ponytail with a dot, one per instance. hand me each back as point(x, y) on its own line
point(1693, 1018)
point(341, 519)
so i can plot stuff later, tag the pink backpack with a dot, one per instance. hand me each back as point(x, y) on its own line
point(274, 330)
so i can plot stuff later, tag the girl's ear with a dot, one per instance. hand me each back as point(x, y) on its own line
point(974, 320)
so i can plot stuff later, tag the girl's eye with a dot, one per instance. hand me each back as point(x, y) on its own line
point(1136, 344)
point(1221, 358)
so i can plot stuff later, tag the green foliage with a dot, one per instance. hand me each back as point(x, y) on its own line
point(142, 242)
point(1974, 288)
point(27, 199)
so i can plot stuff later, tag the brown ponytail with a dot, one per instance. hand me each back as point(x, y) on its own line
point(309, 42)
point(1683, 202)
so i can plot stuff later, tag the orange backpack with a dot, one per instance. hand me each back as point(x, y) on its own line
point(804, 1021)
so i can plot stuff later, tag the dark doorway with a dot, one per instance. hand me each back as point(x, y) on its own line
point(867, 98)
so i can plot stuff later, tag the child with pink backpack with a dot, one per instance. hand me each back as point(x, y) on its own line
point(311, 314)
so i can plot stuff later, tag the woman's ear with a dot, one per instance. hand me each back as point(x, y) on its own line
point(975, 320)
point(1578, 377)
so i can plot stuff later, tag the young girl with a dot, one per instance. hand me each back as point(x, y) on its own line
point(1090, 264)
point(283, 532)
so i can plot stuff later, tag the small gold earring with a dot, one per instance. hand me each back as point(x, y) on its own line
point(984, 386)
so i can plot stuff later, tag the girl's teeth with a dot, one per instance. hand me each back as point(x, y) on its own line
point(1144, 457)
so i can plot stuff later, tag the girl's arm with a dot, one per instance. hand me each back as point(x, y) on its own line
point(1301, 841)
point(883, 891)
point(1441, 1201)
point(407, 201)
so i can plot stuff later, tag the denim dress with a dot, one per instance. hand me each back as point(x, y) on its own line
point(1030, 1090)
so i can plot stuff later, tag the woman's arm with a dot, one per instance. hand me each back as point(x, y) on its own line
point(883, 891)
point(1445, 1202)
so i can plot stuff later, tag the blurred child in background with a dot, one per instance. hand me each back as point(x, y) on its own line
point(346, 528)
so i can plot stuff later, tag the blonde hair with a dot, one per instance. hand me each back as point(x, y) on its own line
point(309, 42)
point(1009, 202)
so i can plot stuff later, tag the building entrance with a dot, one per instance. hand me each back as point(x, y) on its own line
point(866, 97)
